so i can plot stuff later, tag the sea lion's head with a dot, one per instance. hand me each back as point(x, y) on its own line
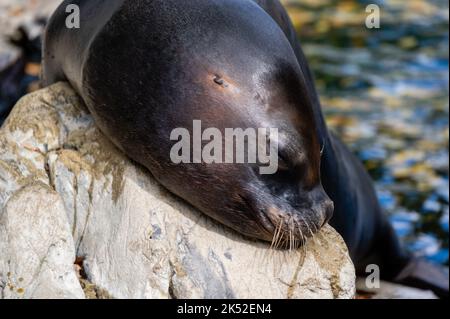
point(236, 69)
point(229, 65)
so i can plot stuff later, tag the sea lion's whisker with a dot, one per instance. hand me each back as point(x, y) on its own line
point(291, 234)
point(282, 239)
point(303, 241)
point(277, 235)
point(309, 228)
point(291, 240)
point(274, 236)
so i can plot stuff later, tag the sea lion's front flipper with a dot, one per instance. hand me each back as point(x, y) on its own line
point(425, 275)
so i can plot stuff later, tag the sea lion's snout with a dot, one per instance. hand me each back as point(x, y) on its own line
point(328, 211)
point(286, 218)
point(324, 206)
point(293, 222)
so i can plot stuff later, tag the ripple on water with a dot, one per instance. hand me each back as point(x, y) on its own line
point(385, 93)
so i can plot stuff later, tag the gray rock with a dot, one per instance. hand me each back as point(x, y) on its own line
point(389, 290)
point(66, 191)
point(36, 245)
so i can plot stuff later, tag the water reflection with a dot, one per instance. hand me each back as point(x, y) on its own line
point(385, 92)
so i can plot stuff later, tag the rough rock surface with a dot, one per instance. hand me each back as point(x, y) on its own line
point(79, 219)
point(36, 240)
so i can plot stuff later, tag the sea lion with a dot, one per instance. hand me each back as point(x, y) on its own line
point(147, 67)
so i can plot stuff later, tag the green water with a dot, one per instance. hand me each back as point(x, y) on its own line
point(385, 92)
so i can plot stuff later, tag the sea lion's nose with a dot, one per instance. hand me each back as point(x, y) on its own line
point(328, 210)
point(323, 204)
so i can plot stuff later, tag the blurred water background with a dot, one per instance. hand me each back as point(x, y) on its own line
point(384, 92)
